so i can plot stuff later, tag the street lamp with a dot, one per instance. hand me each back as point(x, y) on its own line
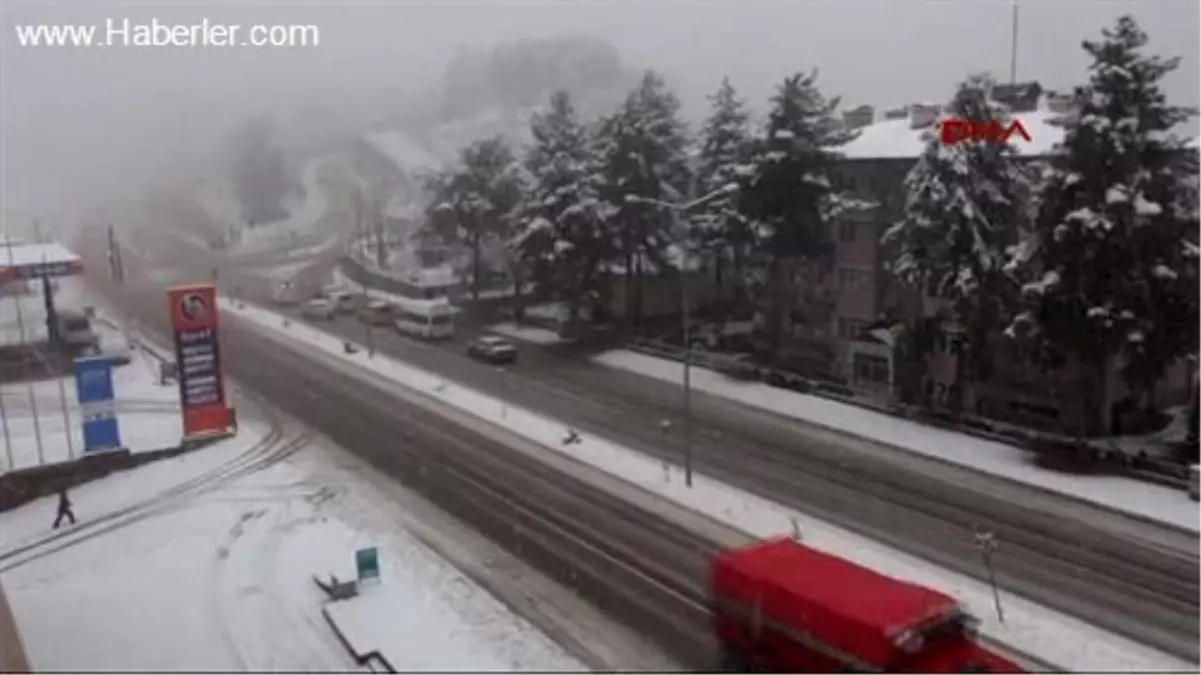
point(679, 234)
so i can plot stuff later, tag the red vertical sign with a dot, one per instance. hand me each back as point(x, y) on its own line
point(198, 356)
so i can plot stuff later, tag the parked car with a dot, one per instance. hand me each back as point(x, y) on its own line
point(493, 349)
point(321, 309)
point(738, 366)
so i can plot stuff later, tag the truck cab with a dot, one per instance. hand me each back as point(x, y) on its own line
point(781, 606)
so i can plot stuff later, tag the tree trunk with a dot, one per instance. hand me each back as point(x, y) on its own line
point(1101, 397)
point(955, 400)
point(475, 264)
point(628, 300)
point(719, 284)
point(739, 290)
point(517, 278)
point(779, 316)
point(636, 293)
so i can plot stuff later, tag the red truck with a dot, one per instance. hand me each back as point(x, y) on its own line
point(781, 606)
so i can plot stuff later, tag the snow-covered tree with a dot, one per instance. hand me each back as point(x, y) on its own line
point(644, 153)
point(478, 200)
point(719, 229)
point(1111, 263)
point(962, 213)
point(565, 241)
point(789, 196)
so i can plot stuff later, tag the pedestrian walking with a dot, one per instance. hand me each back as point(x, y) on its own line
point(64, 509)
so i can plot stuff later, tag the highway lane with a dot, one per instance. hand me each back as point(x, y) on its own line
point(1126, 575)
point(630, 561)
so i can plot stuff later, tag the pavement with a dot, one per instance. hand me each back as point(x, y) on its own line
point(1124, 574)
point(12, 653)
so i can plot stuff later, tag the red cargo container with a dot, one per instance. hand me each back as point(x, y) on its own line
point(782, 606)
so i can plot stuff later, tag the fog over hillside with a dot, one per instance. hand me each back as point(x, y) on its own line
point(82, 127)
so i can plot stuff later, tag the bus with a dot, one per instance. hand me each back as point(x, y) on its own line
point(426, 319)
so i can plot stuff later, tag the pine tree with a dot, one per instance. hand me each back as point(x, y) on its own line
point(643, 149)
point(1111, 263)
point(962, 212)
point(565, 242)
point(789, 196)
point(720, 230)
point(478, 200)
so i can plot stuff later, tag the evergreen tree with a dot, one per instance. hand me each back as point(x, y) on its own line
point(643, 149)
point(1111, 263)
point(720, 230)
point(478, 201)
point(789, 197)
point(565, 241)
point(961, 214)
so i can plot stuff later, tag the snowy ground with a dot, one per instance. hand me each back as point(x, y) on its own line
point(532, 334)
point(1158, 502)
point(220, 578)
point(148, 413)
point(1029, 627)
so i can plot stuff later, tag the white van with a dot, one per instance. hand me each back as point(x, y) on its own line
point(426, 319)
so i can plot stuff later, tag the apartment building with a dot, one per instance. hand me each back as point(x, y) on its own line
point(870, 307)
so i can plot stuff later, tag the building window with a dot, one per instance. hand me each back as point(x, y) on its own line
point(871, 369)
point(853, 278)
point(849, 329)
point(846, 232)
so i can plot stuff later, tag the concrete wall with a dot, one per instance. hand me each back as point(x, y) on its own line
point(12, 652)
point(25, 485)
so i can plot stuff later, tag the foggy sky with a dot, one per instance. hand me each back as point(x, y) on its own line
point(81, 125)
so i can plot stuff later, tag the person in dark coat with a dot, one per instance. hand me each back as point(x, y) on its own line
point(64, 509)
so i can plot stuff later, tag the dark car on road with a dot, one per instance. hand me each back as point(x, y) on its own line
point(493, 349)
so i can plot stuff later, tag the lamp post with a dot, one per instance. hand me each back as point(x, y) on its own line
point(678, 234)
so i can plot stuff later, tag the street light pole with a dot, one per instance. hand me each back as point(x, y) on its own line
point(687, 335)
point(678, 235)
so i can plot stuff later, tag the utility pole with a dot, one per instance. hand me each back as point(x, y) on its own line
point(1013, 47)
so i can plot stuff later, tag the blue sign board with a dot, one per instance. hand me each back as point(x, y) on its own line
point(366, 562)
point(97, 407)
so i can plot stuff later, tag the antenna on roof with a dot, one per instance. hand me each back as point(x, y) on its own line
point(1013, 47)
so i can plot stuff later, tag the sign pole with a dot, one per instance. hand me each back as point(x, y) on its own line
point(33, 404)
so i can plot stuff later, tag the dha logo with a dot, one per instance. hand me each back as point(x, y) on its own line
point(957, 130)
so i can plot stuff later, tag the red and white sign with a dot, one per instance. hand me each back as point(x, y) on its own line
point(198, 358)
point(957, 129)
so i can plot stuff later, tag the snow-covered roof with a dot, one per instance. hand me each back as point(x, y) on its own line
point(895, 139)
point(21, 255)
point(32, 261)
point(403, 149)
